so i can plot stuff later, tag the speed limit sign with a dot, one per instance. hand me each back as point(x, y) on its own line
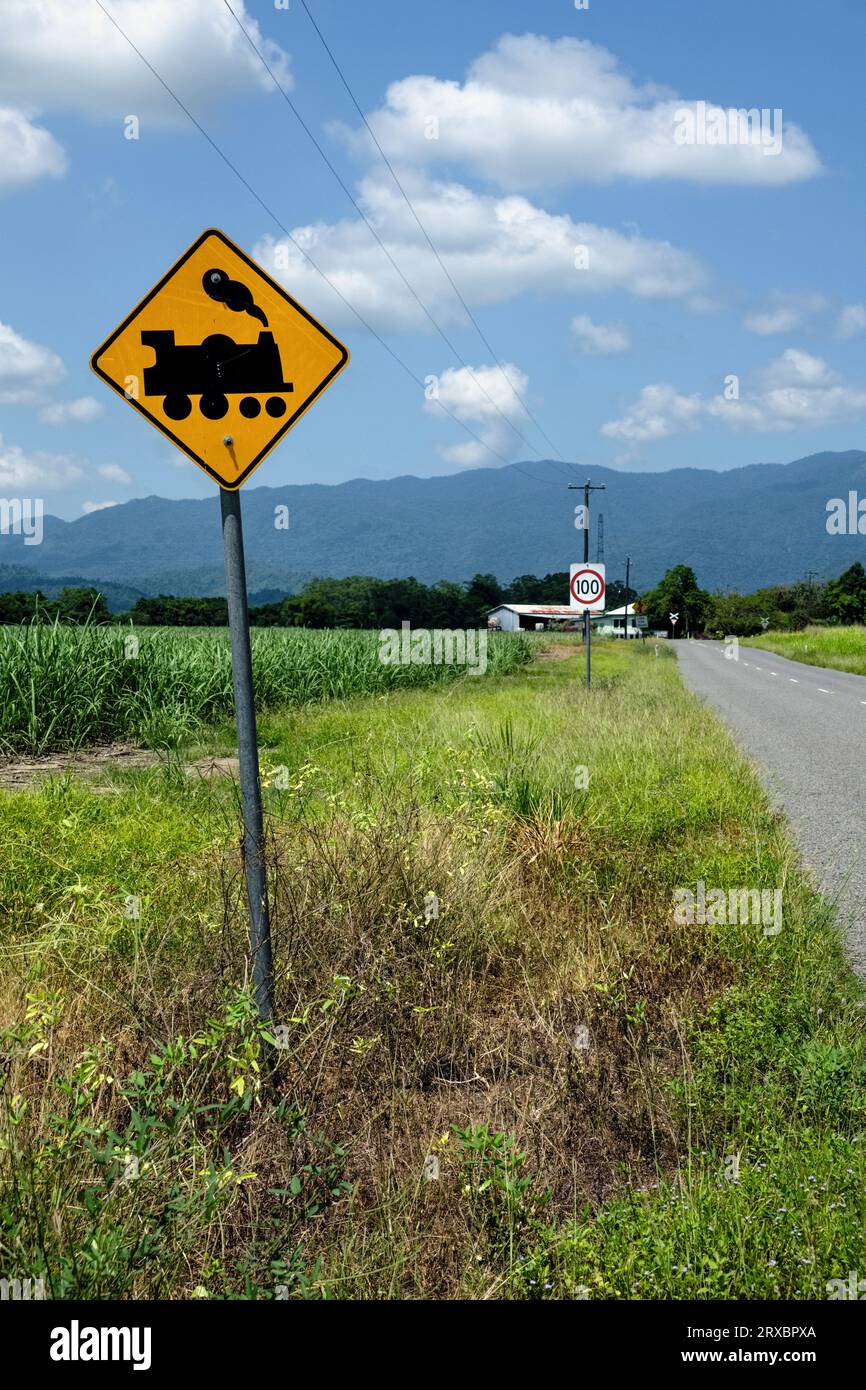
point(586, 588)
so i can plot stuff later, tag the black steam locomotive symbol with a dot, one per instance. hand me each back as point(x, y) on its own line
point(219, 367)
point(215, 369)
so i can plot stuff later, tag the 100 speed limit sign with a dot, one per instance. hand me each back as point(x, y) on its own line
point(586, 588)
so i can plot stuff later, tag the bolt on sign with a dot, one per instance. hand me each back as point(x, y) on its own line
point(220, 359)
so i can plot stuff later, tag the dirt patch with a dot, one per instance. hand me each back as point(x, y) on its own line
point(18, 774)
point(559, 651)
point(21, 774)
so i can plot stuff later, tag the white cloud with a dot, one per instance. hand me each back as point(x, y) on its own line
point(26, 369)
point(600, 338)
point(113, 473)
point(852, 321)
point(77, 412)
point(27, 151)
point(88, 507)
point(796, 391)
point(536, 112)
point(28, 372)
point(495, 248)
point(481, 397)
point(23, 473)
point(67, 55)
point(660, 410)
point(781, 320)
point(795, 368)
point(784, 313)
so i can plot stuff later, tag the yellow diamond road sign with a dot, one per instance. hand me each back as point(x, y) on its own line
point(220, 358)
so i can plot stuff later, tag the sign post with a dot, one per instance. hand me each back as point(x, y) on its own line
point(674, 617)
point(586, 594)
point(226, 401)
point(627, 573)
point(261, 957)
point(581, 521)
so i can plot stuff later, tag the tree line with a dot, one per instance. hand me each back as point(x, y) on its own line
point(357, 601)
point(363, 602)
point(779, 606)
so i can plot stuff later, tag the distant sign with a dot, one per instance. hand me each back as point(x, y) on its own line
point(586, 588)
point(220, 359)
point(640, 620)
point(674, 617)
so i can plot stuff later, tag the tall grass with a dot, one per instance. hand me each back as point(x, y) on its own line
point(62, 686)
point(838, 648)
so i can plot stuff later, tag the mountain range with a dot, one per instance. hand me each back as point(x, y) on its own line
point(739, 529)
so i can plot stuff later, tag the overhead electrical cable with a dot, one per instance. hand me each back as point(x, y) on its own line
point(411, 206)
point(386, 249)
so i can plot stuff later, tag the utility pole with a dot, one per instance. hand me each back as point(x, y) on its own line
point(627, 568)
point(587, 488)
point(599, 548)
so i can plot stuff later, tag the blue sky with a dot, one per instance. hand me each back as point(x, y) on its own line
point(555, 128)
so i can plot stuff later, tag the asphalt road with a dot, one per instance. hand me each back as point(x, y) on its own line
point(805, 729)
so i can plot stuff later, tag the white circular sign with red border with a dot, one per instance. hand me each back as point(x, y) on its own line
point(586, 588)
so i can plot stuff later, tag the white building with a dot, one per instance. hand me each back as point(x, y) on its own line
point(612, 623)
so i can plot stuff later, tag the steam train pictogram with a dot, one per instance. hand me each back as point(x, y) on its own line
point(214, 370)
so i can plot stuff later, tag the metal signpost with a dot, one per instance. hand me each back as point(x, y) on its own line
point(226, 401)
point(586, 588)
point(261, 956)
point(586, 488)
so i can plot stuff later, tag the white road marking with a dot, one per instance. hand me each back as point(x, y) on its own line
point(823, 691)
point(796, 682)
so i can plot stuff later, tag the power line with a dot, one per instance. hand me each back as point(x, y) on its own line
point(270, 212)
point(480, 331)
point(381, 243)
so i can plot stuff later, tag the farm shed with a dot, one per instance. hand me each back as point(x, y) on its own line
point(523, 617)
